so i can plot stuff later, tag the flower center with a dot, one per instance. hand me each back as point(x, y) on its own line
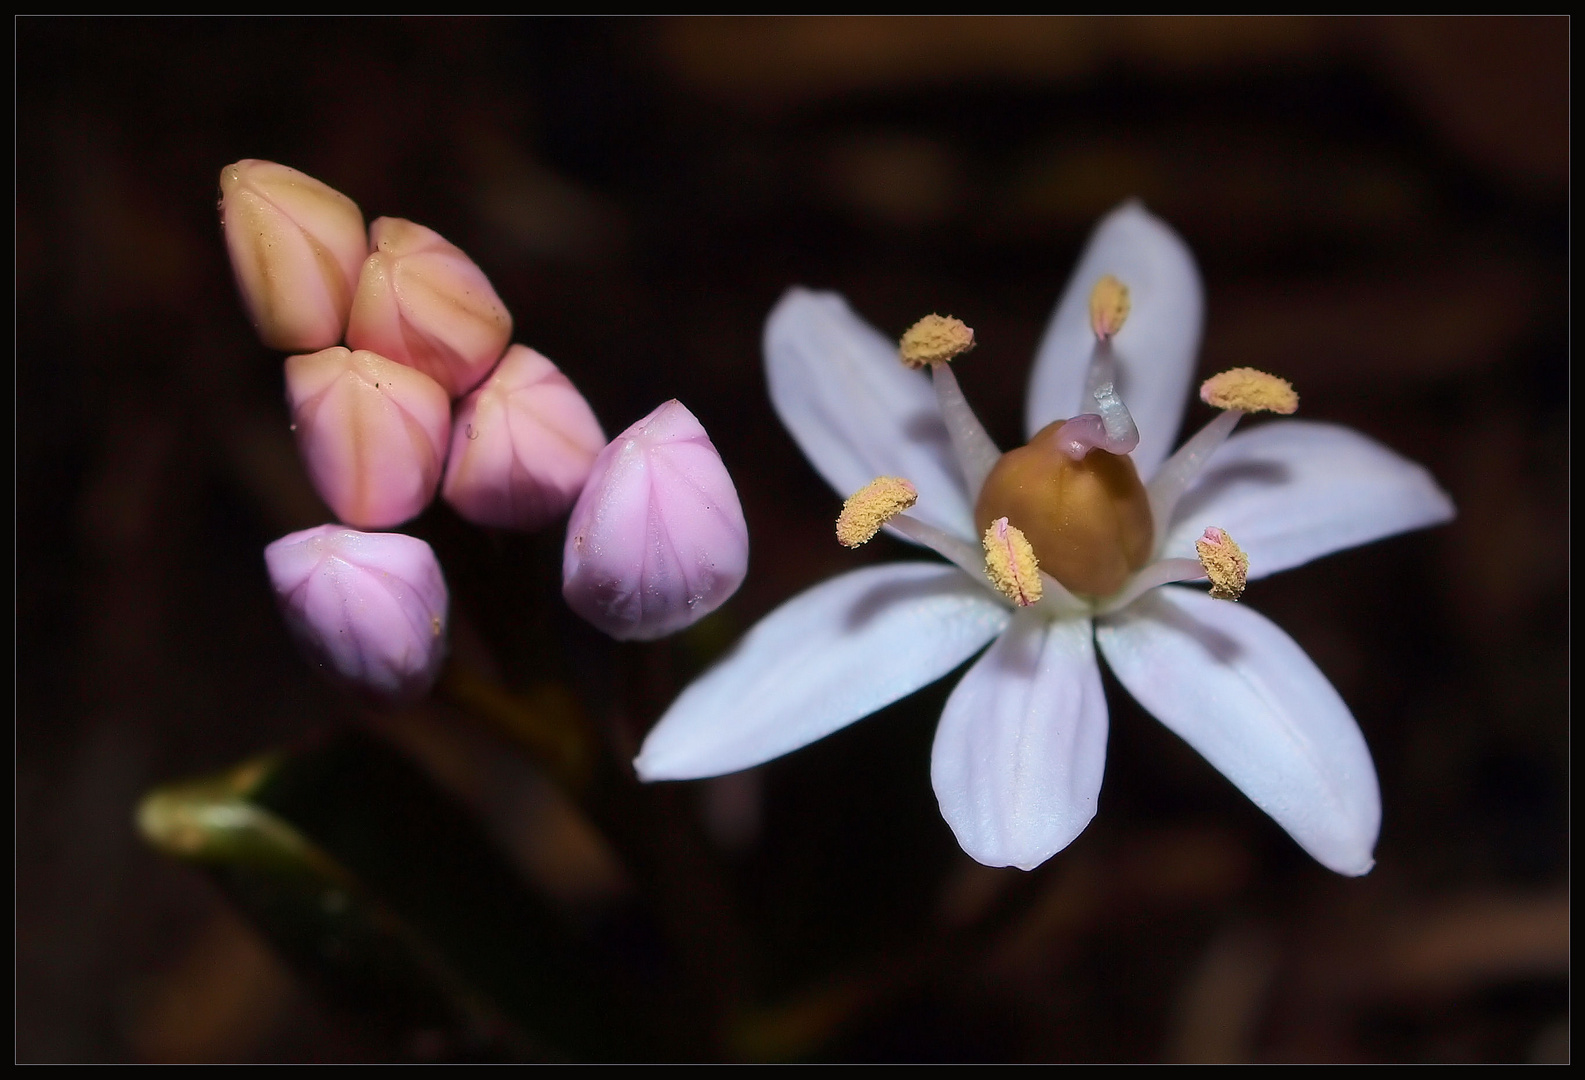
point(1087, 520)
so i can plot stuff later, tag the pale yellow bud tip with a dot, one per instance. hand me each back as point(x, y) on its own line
point(1248, 390)
point(1010, 563)
point(1109, 306)
point(872, 506)
point(1225, 564)
point(934, 339)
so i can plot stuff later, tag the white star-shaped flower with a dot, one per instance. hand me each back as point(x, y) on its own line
point(1021, 746)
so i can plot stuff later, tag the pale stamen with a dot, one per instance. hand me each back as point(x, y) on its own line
point(960, 553)
point(1221, 560)
point(1239, 391)
point(971, 560)
point(1057, 600)
point(936, 340)
point(880, 504)
point(1184, 467)
point(977, 455)
point(1161, 572)
point(1110, 427)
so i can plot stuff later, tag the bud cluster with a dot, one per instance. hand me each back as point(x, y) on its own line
point(404, 382)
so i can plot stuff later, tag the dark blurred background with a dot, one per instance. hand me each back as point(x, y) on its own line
point(1379, 209)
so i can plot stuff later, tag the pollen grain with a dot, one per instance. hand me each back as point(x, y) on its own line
point(1010, 563)
point(1248, 390)
point(1109, 307)
point(872, 506)
point(1225, 564)
point(933, 340)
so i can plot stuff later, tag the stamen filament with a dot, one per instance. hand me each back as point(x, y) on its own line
point(1184, 467)
point(977, 454)
point(1055, 598)
point(960, 553)
point(1161, 572)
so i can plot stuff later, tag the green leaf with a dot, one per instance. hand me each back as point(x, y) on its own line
point(382, 889)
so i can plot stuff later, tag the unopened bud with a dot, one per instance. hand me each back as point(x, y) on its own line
point(369, 608)
point(522, 445)
point(296, 247)
point(657, 539)
point(422, 302)
point(372, 433)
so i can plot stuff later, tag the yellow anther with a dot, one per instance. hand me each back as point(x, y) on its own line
point(1225, 564)
point(1248, 390)
point(872, 506)
point(934, 339)
point(1010, 563)
point(1109, 305)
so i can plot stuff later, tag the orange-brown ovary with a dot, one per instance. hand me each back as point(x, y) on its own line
point(1088, 521)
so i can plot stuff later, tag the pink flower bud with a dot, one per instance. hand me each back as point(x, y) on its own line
point(296, 247)
point(370, 608)
point(522, 445)
point(657, 540)
point(371, 431)
point(422, 302)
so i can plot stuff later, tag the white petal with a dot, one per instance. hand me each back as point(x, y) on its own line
point(1021, 747)
point(824, 659)
point(1294, 490)
point(1242, 693)
point(1156, 347)
point(856, 411)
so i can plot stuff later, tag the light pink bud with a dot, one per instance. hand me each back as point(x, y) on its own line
point(296, 247)
point(522, 445)
point(422, 302)
point(371, 431)
point(370, 608)
point(657, 540)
